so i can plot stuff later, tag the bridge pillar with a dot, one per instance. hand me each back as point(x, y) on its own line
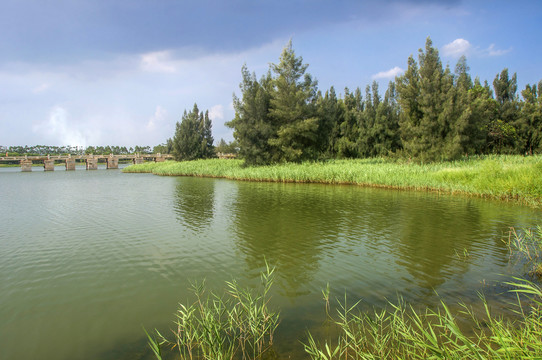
point(26, 165)
point(159, 158)
point(49, 165)
point(92, 163)
point(138, 160)
point(112, 162)
point(70, 163)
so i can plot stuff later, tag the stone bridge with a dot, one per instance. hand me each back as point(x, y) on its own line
point(91, 161)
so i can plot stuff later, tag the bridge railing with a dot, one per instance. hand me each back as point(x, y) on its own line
point(91, 160)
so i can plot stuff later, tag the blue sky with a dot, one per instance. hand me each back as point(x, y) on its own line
point(121, 72)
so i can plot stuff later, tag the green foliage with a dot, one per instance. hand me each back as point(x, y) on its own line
point(386, 125)
point(503, 177)
point(236, 325)
point(530, 124)
point(527, 247)
point(252, 124)
point(401, 332)
point(227, 148)
point(331, 114)
point(427, 114)
point(166, 148)
point(503, 131)
point(193, 138)
point(276, 119)
point(379, 123)
point(240, 325)
point(478, 110)
point(427, 95)
point(292, 110)
point(347, 146)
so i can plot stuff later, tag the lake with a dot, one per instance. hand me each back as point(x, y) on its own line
point(87, 258)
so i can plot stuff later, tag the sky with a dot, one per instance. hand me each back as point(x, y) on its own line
point(122, 72)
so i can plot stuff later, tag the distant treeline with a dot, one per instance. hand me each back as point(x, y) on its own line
point(429, 113)
point(79, 150)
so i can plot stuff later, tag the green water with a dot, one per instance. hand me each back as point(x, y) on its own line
point(89, 257)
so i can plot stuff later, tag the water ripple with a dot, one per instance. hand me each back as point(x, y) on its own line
point(87, 257)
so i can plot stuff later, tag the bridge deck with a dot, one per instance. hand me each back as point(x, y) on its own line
point(85, 157)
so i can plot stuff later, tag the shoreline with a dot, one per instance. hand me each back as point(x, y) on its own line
point(506, 178)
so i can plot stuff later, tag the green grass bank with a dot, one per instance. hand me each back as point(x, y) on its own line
point(503, 177)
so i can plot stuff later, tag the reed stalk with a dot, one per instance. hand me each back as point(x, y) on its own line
point(400, 332)
point(526, 246)
point(236, 325)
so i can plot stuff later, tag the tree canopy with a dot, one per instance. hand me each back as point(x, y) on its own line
point(428, 113)
point(193, 136)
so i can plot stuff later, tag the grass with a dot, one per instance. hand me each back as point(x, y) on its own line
point(502, 177)
point(237, 325)
point(400, 332)
point(526, 246)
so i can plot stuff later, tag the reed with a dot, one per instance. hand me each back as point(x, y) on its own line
point(238, 324)
point(526, 246)
point(503, 176)
point(400, 332)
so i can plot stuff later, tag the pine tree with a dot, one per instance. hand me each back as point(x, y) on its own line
point(207, 147)
point(462, 128)
point(193, 138)
point(531, 115)
point(252, 124)
point(293, 109)
point(428, 101)
point(408, 90)
point(477, 112)
point(366, 140)
point(386, 124)
point(348, 142)
point(503, 134)
point(330, 115)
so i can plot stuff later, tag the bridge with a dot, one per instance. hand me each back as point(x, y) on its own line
point(91, 161)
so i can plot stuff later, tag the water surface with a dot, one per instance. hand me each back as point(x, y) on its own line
point(89, 257)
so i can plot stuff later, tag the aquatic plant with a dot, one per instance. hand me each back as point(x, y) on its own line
point(238, 324)
point(526, 246)
point(401, 332)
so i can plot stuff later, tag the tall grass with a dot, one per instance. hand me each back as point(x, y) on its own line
point(400, 332)
point(237, 325)
point(526, 246)
point(505, 177)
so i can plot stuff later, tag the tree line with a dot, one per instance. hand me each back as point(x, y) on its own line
point(429, 113)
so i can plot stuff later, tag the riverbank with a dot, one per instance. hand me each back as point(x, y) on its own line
point(503, 177)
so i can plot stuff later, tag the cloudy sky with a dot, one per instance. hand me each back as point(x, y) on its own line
point(121, 72)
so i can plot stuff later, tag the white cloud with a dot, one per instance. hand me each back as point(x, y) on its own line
point(460, 47)
point(457, 48)
point(389, 74)
point(491, 51)
point(216, 113)
point(159, 61)
point(122, 100)
point(158, 117)
point(58, 129)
